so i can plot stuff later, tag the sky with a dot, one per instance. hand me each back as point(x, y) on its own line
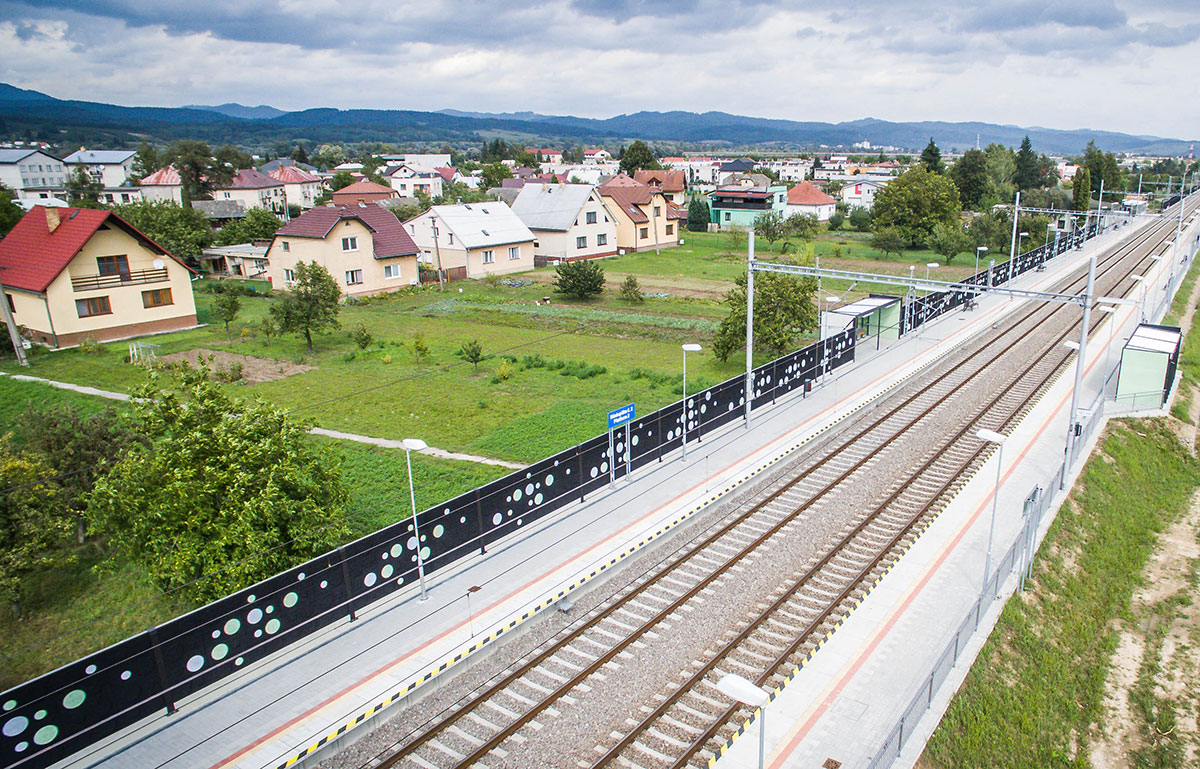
point(1098, 64)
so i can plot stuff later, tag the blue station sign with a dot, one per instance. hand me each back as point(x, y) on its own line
point(620, 416)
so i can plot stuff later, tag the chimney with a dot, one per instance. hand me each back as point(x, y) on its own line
point(52, 219)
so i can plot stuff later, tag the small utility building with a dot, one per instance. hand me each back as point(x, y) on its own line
point(1148, 365)
point(878, 315)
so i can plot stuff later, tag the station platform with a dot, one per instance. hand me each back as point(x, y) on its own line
point(847, 703)
point(291, 708)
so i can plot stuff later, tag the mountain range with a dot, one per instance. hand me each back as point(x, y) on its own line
point(263, 125)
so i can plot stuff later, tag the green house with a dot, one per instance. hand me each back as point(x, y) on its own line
point(740, 206)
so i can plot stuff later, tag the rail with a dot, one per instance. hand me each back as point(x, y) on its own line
point(133, 278)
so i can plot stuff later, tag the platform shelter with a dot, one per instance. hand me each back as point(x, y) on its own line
point(876, 316)
point(1148, 364)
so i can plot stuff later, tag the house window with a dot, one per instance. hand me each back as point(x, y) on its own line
point(353, 277)
point(289, 276)
point(349, 244)
point(657, 211)
point(451, 236)
point(644, 232)
point(95, 306)
point(514, 252)
point(670, 229)
point(11, 307)
point(581, 241)
point(591, 217)
point(158, 298)
point(391, 270)
point(488, 256)
point(113, 265)
point(602, 239)
point(285, 245)
point(726, 216)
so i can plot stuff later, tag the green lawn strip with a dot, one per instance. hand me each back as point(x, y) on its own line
point(1183, 297)
point(1035, 693)
point(76, 609)
point(1189, 365)
point(18, 395)
point(377, 478)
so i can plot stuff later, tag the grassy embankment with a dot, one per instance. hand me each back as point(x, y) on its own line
point(1035, 695)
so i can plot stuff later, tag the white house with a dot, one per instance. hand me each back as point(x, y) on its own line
point(806, 199)
point(300, 188)
point(861, 193)
point(570, 221)
point(410, 178)
point(112, 168)
point(255, 190)
point(430, 160)
point(596, 155)
point(163, 184)
point(31, 173)
point(476, 238)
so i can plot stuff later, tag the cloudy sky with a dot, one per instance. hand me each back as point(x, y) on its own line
point(1103, 64)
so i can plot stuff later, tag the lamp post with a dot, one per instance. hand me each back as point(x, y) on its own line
point(979, 251)
point(1141, 281)
point(411, 445)
point(824, 344)
point(1112, 320)
point(470, 615)
point(990, 436)
point(744, 691)
point(690, 347)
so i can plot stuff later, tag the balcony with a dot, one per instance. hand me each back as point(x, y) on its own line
point(133, 278)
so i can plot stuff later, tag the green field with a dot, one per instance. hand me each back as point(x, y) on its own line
point(1036, 691)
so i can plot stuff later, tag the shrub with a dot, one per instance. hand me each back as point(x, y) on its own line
point(361, 335)
point(630, 290)
point(580, 280)
point(385, 359)
point(503, 371)
point(533, 361)
point(419, 348)
point(90, 346)
point(350, 356)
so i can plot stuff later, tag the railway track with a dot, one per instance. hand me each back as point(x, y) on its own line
point(502, 724)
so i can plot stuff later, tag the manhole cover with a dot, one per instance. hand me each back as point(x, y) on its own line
point(831, 764)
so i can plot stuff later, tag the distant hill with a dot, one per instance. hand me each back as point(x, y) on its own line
point(263, 125)
point(233, 109)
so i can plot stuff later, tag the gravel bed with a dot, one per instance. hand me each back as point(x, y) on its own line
point(572, 734)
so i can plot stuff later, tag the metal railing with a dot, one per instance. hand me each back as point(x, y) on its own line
point(132, 278)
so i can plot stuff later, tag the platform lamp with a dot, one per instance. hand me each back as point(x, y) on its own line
point(990, 436)
point(979, 251)
point(690, 347)
point(744, 691)
point(829, 300)
point(1141, 281)
point(411, 445)
point(1112, 321)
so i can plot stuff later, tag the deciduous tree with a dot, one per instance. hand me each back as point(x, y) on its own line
point(638, 157)
point(915, 202)
point(783, 308)
point(82, 190)
point(970, 176)
point(948, 241)
point(224, 309)
point(33, 520)
point(199, 171)
point(494, 175)
point(10, 212)
point(803, 226)
point(860, 218)
point(179, 229)
point(257, 224)
point(310, 305)
point(224, 493)
point(889, 240)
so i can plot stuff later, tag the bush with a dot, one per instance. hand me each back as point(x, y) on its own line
point(533, 361)
point(836, 221)
point(361, 335)
point(386, 359)
point(419, 348)
point(350, 356)
point(580, 280)
point(90, 346)
point(503, 371)
point(630, 290)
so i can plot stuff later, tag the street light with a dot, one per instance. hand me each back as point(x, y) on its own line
point(1141, 281)
point(690, 347)
point(411, 445)
point(990, 436)
point(744, 691)
point(979, 250)
point(824, 345)
point(1108, 308)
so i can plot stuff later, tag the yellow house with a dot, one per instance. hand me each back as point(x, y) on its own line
point(72, 273)
point(364, 247)
point(645, 218)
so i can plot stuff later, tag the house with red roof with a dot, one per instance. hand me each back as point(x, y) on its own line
point(364, 191)
point(163, 184)
point(807, 199)
point(672, 182)
point(364, 246)
point(74, 273)
point(300, 188)
point(255, 190)
point(644, 217)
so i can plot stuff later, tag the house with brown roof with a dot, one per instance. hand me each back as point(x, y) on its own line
point(407, 179)
point(72, 273)
point(364, 247)
point(364, 191)
point(807, 199)
point(255, 190)
point(673, 183)
point(645, 218)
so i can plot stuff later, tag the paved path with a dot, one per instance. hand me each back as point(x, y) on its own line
point(384, 442)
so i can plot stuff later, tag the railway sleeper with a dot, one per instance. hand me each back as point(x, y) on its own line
point(658, 733)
